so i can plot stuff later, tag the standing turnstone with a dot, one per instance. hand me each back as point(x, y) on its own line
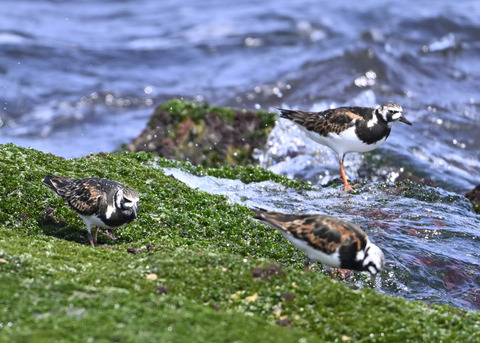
point(331, 241)
point(99, 202)
point(348, 129)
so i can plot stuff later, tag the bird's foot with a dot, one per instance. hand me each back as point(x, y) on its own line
point(92, 242)
point(109, 234)
point(349, 187)
point(345, 273)
point(332, 276)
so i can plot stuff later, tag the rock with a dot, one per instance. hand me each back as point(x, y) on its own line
point(474, 197)
point(204, 135)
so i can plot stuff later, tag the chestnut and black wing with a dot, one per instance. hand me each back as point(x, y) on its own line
point(324, 233)
point(82, 195)
point(329, 121)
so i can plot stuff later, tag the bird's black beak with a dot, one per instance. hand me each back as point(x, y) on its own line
point(404, 120)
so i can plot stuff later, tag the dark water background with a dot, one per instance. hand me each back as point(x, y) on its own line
point(84, 76)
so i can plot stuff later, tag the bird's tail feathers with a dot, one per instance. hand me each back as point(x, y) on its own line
point(54, 182)
point(287, 114)
point(259, 212)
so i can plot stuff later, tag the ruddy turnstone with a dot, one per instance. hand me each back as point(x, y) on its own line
point(329, 240)
point(99, 202)
point(348, 129)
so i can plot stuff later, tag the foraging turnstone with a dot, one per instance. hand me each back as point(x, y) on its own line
point(99, 202)
point(348, 129)
point(329, 240)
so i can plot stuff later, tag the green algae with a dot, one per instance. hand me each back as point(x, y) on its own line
point(196, 111)
point(198, 269)
point(474, 196)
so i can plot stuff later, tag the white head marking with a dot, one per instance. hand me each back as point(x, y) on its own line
point(374, 260)
point(390, 112)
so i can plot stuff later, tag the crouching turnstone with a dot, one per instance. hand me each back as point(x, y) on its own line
point(331, 241)
point(348, 129)
point(99, 202)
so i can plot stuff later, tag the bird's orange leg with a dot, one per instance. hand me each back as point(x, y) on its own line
point(348, 187)
point(90, 239)
point(95, 237)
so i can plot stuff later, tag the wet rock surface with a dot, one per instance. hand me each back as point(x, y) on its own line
point(204, 135)
point(474, 197)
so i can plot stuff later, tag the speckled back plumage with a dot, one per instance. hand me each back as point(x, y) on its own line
point(348, 129)
point(371, 124)
point(99, 202)
point(344, 241)
point(91, 196)
point(333, 120)
point(325, 233)
point(338, 120)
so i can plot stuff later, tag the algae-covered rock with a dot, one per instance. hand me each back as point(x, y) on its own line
point(204, 135)
point(193, 268)
point(474, 197)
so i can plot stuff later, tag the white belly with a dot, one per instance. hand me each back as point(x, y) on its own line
point(346, 141)
point(93, 220)
point(332, 260)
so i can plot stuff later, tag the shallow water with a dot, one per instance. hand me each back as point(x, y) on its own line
point(430, 238)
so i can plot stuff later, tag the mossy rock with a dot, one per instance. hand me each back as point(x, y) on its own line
point(204, 135)
point(474, 197)
point(193, 268)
